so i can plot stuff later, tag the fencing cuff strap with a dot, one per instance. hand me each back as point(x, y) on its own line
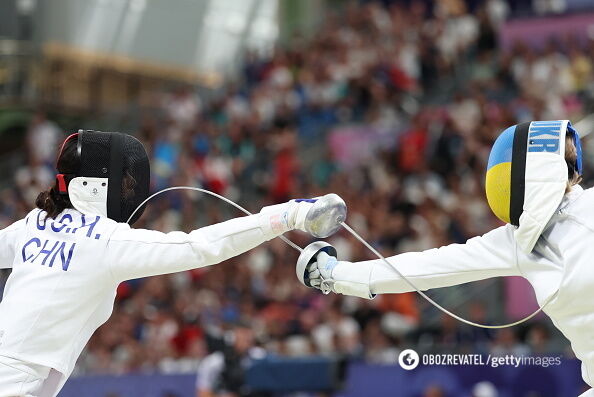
point(300, 211)
point(360, 290)
point(275, 219)
point(288, 216)
point(353, 279)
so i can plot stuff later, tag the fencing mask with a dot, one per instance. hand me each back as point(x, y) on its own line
point(114, 175)
point(527, 175)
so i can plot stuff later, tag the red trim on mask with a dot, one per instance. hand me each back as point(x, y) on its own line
point(62, 188)
point(64, 144)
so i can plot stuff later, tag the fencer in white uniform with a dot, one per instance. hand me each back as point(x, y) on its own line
point(532, 186)
point(66, 267)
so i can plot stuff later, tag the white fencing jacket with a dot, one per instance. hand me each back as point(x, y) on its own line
point(562, 262)
point(65, 273)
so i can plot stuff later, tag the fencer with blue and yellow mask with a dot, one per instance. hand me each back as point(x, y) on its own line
point(527, 176)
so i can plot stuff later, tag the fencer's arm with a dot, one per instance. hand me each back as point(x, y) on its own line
point(135, 253)
point(491, 255)
point(8, 243)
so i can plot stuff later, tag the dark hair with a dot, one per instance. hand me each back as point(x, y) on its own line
point(571, 160)
point(51, 201)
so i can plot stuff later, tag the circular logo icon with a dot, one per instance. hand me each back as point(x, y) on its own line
point(409, 359)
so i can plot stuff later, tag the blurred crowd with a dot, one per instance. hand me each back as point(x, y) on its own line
point(395, 109)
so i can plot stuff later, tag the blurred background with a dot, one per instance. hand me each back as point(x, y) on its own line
point(393, 105)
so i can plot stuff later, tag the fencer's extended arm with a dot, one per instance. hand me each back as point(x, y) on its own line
point(135, 253)
point(8, 243)
point(491, 255)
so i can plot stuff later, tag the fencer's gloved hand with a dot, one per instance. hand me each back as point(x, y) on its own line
point(316, 267)
point(321, 217)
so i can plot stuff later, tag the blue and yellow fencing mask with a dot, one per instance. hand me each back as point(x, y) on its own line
point(527, 175)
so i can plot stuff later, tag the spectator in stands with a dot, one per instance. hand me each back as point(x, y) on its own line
point(222, 373)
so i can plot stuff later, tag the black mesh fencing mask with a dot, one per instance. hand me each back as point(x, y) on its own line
point(114, 176)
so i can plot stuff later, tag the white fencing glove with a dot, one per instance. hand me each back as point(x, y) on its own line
point(321, 217)
point(315, 268)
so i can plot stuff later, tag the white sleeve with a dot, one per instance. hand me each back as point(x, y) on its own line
point(8, 243)
point(491, 255)
point(135, 253)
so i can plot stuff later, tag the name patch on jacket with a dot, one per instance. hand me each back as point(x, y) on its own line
point(47, 252)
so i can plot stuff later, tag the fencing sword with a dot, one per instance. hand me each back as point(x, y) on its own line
point(311, 255)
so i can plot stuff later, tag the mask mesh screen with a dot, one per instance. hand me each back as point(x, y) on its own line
point(95, 163)
point(136, 178)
